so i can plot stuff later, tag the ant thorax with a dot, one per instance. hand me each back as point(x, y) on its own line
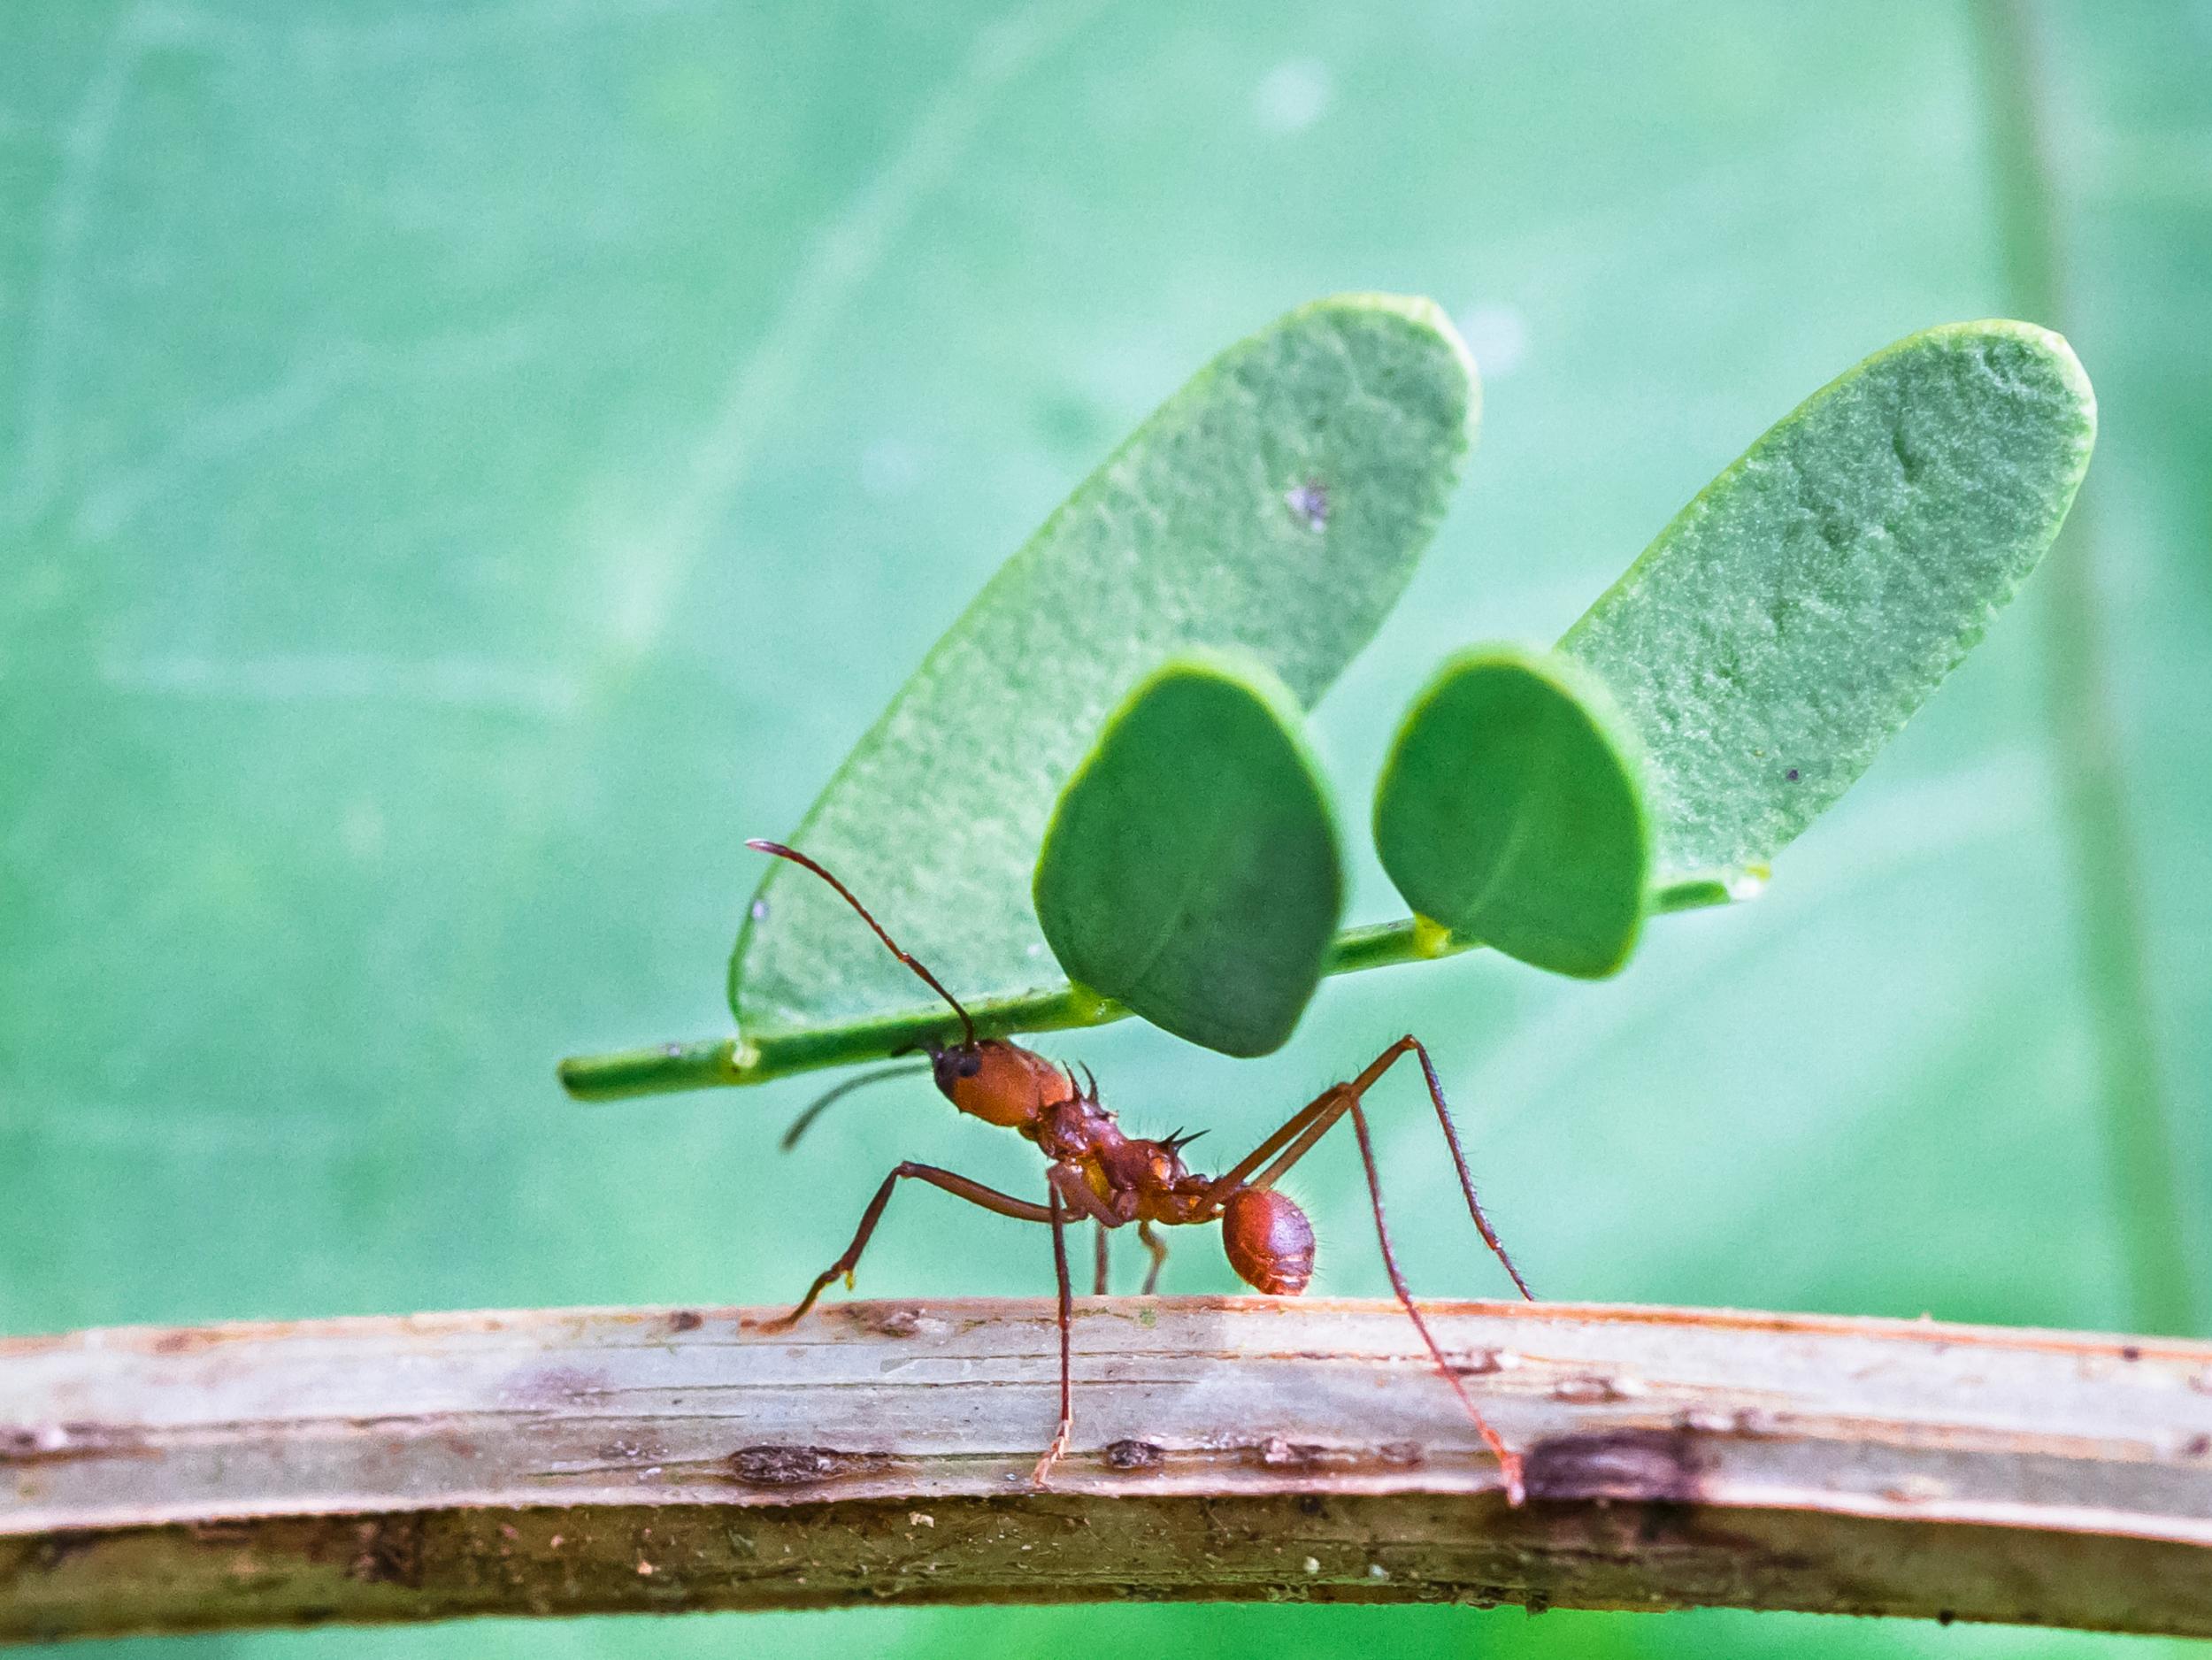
point(1076, 1127)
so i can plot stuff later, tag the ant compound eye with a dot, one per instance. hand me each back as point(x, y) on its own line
point(953, 1065)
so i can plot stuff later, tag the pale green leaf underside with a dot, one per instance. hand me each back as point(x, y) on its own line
point(1276, 505)
point(1191, 870)
point(1509, 811)
point(1793, 616)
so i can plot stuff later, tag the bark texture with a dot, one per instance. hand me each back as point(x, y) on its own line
point(576, 1461)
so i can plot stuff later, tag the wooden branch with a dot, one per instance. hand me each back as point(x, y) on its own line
point(584, 1461)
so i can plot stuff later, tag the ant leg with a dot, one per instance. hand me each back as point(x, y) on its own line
point(1067, 1317)
point(1329, 1103)
point(1509, 1461)
point(1296, 1138)
point(959, 1187)
point(1157, 1246)
point(822, 1102)
point(1459, 1160)
point(1098, 1264)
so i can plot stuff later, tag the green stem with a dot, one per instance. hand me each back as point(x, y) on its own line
point(664, 1068)
point(2086, 739)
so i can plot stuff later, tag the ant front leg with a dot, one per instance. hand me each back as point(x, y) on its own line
point(1070, 1193)
point(959, 1187)
point(1054, 1453)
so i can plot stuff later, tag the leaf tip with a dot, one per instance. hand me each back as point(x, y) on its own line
point(1423, 315)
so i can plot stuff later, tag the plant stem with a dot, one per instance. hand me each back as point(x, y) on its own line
point(2085, 738)
point(573, 1461)
point(708, 1062)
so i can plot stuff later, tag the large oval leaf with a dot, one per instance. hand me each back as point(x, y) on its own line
point(1793, 616)
point(1191, 870)
point(1509, 811)
point(1277, 505)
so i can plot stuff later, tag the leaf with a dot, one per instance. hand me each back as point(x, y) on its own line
point(1795, 614)
point(1509, 811)
point(1276, 505)
point(1191, 868)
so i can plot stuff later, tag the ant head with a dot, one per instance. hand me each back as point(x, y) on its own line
point(1269, 1240)
point(1001, 1083)
point(954, 1065)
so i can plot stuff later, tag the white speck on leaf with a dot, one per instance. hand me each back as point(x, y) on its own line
point(1310, 502)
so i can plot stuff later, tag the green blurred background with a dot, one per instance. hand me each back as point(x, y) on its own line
point(463, 468)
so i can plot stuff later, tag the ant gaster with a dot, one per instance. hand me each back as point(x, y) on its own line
point(1097, 1171)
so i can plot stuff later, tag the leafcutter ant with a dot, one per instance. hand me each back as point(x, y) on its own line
point(1097, 1171)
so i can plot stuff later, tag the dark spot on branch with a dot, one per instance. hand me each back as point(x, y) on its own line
point(389, 1551)
point(2130, 1351)
point(56, 1443)
point(686, 1320)
point(1661, 1465)
point(894, 1319)
point(57, 1549)
point(1134, 1455)
point(773, 1467)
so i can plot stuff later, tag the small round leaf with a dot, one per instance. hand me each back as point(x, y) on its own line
point(1511, 811)
point(1191, 868)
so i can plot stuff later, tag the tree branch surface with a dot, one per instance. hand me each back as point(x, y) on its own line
point(588, 1461)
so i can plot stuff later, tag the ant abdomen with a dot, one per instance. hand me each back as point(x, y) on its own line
point(1269, 1240)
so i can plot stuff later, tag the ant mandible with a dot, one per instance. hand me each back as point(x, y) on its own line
point(1098, 1173)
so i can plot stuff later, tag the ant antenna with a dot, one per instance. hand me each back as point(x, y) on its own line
point(821, 1102)
point(935, 984)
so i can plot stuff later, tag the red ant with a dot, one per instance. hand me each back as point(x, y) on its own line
point(1097, 1171)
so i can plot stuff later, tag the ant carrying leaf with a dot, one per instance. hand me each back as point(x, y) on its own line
point(1170, 848)
point(1096, 1171)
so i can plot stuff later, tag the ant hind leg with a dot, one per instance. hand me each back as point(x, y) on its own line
point(1509, 1461)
